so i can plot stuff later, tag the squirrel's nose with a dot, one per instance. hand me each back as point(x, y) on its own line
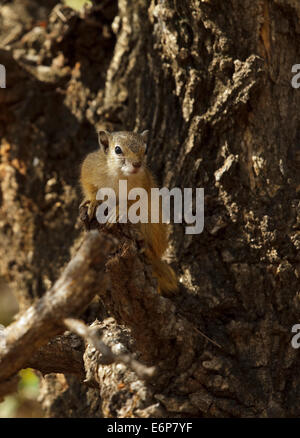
point(137, 164)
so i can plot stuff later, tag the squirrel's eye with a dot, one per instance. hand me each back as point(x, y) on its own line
point(118, 150)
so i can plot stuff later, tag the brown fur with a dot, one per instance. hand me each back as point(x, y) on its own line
point(104, 168)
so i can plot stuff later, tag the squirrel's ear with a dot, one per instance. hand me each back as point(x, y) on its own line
point(145, 135)
point(103, 139)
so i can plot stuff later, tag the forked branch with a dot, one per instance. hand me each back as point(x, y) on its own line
point(73, 291)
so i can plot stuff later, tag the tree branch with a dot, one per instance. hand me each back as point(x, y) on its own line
point(62, 354)
point(79, 283)
point(90, 335)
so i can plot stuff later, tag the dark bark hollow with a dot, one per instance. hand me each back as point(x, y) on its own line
point(212, 82)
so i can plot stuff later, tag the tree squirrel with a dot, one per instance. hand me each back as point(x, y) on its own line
point(122, 157)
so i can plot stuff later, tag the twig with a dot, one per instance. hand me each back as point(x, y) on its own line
point(207, 338)
point(90, 335)
point(60, 15)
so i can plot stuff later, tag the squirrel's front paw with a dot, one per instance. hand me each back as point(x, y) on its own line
point(83, 211)
point(92, 209)
point(87, 211)
point(88, 208)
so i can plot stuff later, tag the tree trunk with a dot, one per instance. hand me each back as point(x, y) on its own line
point(212, 82)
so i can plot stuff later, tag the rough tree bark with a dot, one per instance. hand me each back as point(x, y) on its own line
point(211, 80)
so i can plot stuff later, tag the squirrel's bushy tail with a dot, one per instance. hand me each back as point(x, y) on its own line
point(167, 280)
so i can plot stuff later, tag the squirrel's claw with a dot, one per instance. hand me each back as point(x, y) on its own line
point(87, 212)
point(92, 209)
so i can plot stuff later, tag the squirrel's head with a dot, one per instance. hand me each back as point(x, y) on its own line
point(125, 150)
